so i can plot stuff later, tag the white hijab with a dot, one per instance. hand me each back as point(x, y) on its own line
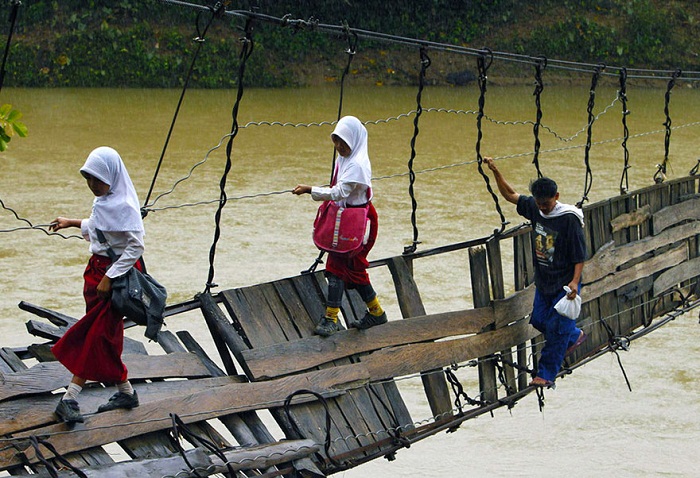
point(119, 209)
point(560, 209)
point(356, 167)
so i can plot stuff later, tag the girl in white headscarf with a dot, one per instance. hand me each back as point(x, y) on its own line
point(351, 186)
point(91, 349)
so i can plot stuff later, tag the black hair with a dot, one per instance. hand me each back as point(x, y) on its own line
point(543, 188)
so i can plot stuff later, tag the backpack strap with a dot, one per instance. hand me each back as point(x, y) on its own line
point(103, 240)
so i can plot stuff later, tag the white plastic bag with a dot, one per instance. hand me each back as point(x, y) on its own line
point(570, 308)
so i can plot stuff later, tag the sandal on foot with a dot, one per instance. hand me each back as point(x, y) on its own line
point(581, 339)
point(541, 382)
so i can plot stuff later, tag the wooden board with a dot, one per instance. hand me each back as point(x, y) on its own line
point(103, 428)
point(648, 267)
point(247, 458)
point(30, 412)
point(514, 307)
point(49, 376)
point(288, 311)
point(634, 218)
point(408, 295)
point(611, 256)
point(154, 467)
point(684, 271)
point(289, 357)
point(670, 215)
point(410, 359)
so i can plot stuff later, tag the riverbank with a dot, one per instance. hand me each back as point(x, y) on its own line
point(150, 43)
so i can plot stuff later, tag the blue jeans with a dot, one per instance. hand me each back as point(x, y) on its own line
point(559, 332)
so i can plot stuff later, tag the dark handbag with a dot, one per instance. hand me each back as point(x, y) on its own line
point(137, 296)
point(340, 229)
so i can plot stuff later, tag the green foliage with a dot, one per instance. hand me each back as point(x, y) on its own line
point(640, 33)
point(581, 38)
point(10, 125)
point(647, 37)
point(148, 43)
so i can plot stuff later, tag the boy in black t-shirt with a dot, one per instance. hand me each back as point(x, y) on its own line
point(559, 251)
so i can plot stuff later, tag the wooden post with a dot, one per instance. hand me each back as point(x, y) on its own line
point(411, 305)
point(482, 298)
point(524, 276)
point(221, 332)
point(493, 250)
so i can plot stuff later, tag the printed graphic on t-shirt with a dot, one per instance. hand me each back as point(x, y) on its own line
point(544, 244)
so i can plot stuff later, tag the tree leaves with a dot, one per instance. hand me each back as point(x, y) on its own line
point(10, 125)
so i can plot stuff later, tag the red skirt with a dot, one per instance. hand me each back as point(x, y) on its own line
point(92, 347)
point(352, 269)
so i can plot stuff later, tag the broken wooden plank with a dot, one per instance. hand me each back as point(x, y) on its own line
point(246, 427)
point(670, 215)
point(514, 307)
point(221, 331)
point(48, 376)
point(634, 218)
point(49, 332)
point(523, 276)
point(495, 261)
point(289, 357)
point(645, 268)
point(192, 346)
point(278, 311)
point(635, 289)
point(308, 288)
point(160, 443)
point(108, 427)
point(609, 257)
point(10, 362)
point(298, 313)
point(56, 318)
point(41, 352)
point(682, 272)
point(346, 418)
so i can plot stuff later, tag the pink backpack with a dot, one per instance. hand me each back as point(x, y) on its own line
point(340, 229)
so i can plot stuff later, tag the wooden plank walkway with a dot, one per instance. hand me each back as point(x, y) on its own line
point(261, 315)
point(336, 399)
point(200, 394)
